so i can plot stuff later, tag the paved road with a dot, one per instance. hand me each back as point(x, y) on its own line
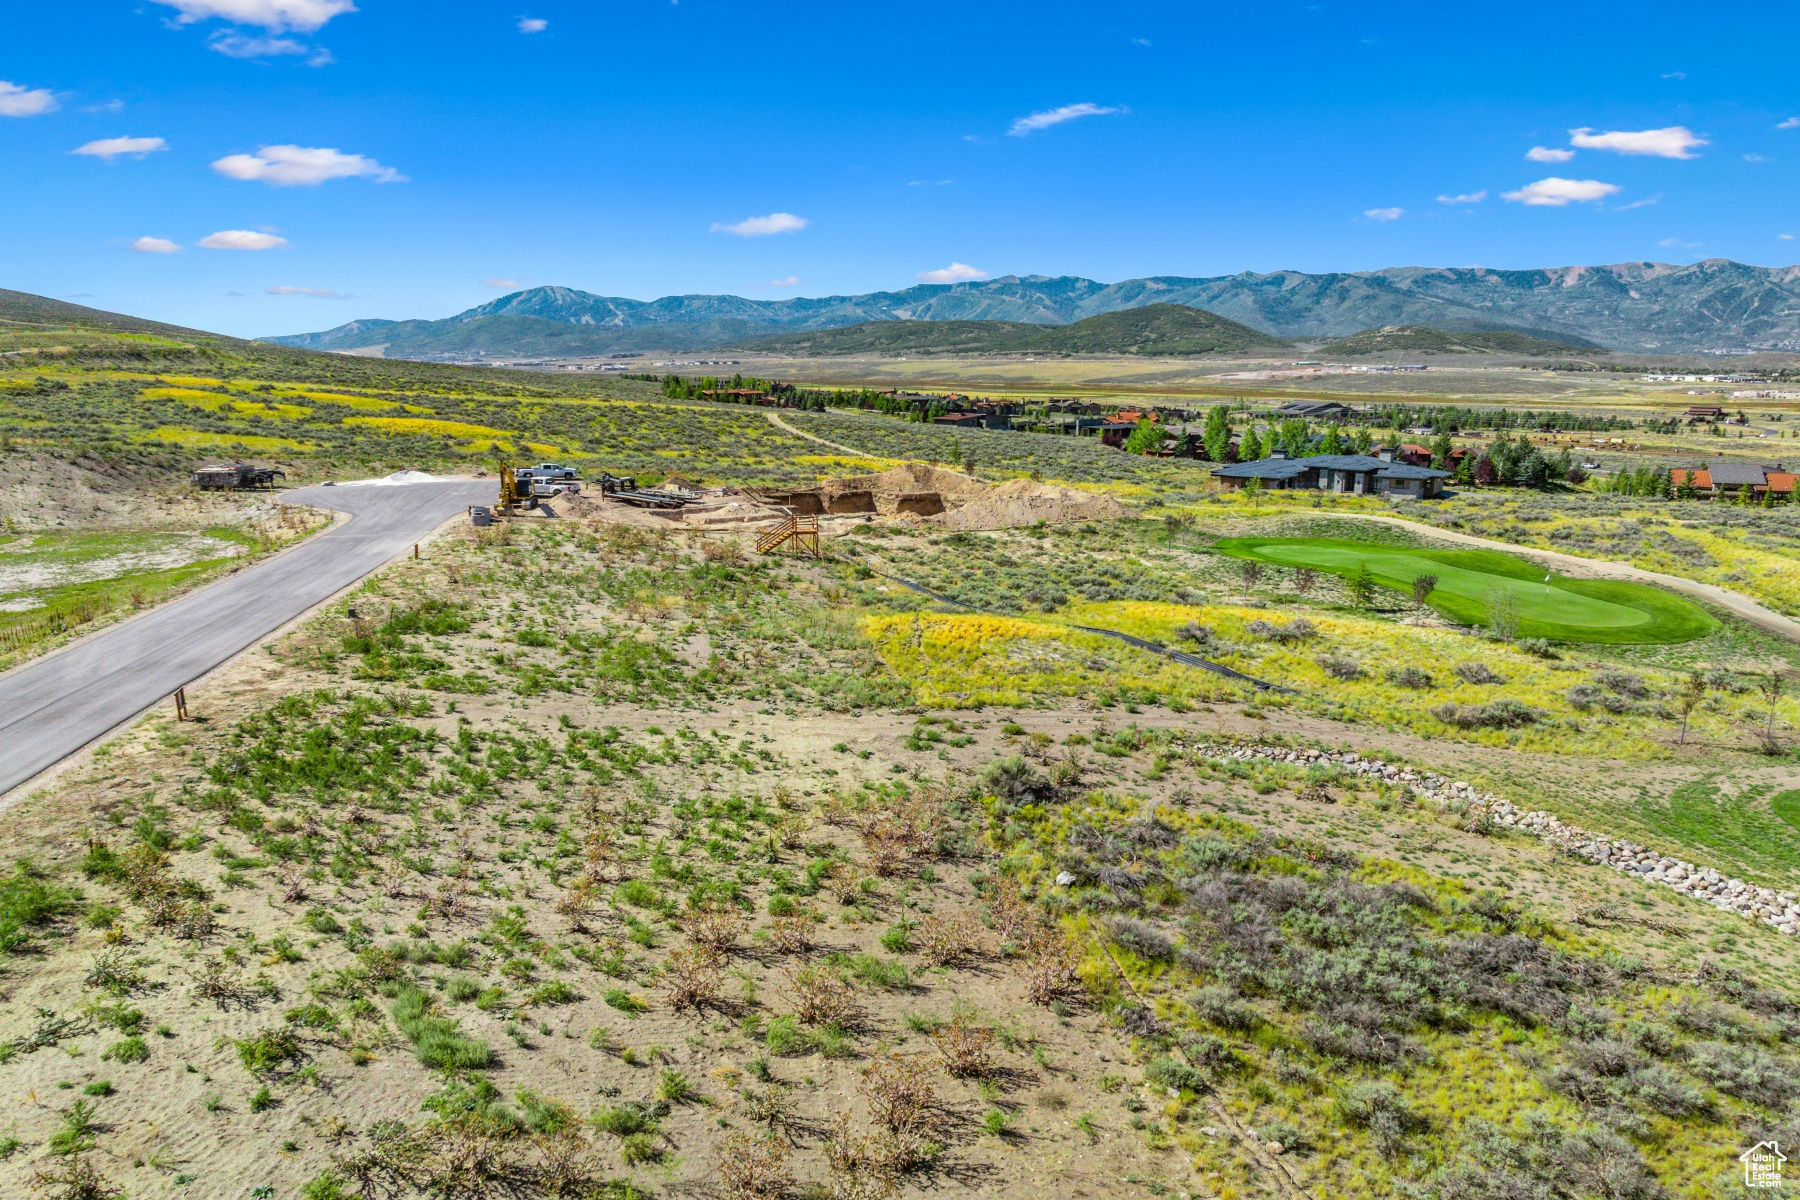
point(53, 706)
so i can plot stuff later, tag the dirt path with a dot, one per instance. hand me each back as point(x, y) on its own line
point(1730, 601)
point(813, 437)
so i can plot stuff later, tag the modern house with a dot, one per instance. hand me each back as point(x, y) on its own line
point(1729, 480)
point(1317, 410)
point(1350, 474)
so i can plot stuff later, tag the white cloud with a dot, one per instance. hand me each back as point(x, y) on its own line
point(241, 239)
point(273, 15)
point(533, 24)
point(1676, 75)
point(318, 293)
point(790, 281)
point(1790, 123)
point(1754, 158)
point(1546, 154)
point(110, 106)
point(1141, 42)
point(1674, 142)
point(1465, 198)
point(954, 273)
point(150, 245)
point(233, 44)
point(303, 166)
point(763, 226)
point(111, 148)
point(1384, 214)
point(16, 100)
point(1786, 237)
point(1056, 116)
point(505, 285)
point(1555, 193)
point(1639, 203)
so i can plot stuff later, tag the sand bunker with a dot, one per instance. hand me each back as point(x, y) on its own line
point(1019, 502)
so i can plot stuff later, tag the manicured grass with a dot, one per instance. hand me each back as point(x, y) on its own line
point(1743, 830)
point(1563, 610)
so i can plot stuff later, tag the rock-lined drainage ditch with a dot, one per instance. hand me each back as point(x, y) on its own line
point(1781, 910)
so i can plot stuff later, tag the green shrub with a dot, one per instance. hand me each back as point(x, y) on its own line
point(312, 1016)
point(127, 1050)
point(461, 988)
point(639, 893)
point(639, 1148)
point(554, 992)
point(785, 1036)
point(268, 1050)
point(1168, 1072)
point(625, 1120)
point(624, 1001)
point(328, 1186)
point(438, 1040)
point(872, 970)
point(28, 901)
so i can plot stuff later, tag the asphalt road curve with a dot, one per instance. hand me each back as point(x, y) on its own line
point(52, 706)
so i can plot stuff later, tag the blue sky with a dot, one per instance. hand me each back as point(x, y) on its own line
point(321, 160)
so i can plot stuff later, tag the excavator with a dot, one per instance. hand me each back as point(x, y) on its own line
point(513, 491)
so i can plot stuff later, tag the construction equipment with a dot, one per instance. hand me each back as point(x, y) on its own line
point(220, 476)
point(800, 528)
point(514, 492)
point(625, 490)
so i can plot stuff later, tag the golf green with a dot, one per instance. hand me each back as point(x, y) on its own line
point(1562, 610)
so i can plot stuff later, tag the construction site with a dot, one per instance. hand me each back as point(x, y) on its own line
point(914, 493)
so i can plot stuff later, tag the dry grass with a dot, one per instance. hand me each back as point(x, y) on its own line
point(821, 997)
point(691, 978)
point(948, 939)
point(752, 1168)
point(966, 1046)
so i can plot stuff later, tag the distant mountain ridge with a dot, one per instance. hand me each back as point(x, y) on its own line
point(1172, 330)
point(1715, 306)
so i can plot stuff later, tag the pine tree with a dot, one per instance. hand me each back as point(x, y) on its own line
point(1250, 449)
point(1217, 436)
point(1333, 442)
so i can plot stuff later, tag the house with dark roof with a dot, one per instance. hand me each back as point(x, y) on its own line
point(1350, 474)
point(1316, 410)
point(1730, 480)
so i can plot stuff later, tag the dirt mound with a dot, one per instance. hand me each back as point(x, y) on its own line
point(909, 479)
point(1022, 502)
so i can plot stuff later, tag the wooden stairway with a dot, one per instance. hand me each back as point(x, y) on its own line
point(800, 528)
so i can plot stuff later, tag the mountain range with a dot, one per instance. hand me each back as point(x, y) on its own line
point(1171, 330)
point(1715, 306)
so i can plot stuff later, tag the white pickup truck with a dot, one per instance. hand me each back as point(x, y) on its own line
point(545, 472)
